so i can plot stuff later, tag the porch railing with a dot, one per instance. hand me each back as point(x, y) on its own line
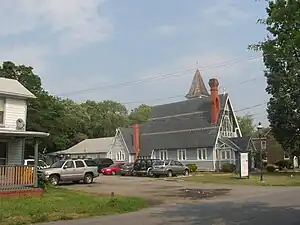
point(16, 177)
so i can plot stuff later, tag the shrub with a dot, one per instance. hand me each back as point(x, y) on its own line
point(271, 168)
point(284, 164)
point(192, 167)
point(42, 183)
point(228, 168)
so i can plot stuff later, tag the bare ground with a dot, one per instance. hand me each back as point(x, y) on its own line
point(168, 191)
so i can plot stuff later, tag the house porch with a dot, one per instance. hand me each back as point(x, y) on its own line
point(13, 174)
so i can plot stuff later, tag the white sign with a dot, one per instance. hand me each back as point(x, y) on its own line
point(244, 165)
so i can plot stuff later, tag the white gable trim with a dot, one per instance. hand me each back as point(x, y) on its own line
point(228, 101)
point(118, 132)
point(123, 141)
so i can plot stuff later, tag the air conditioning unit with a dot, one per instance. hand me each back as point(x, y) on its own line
point(20, 124)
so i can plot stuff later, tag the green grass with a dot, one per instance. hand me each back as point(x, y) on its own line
point(62, 204)
point(270, 179)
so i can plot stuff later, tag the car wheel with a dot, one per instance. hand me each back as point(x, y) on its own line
point(186, 172)
point(88, 178)
point(113, 173)
point(54, 180)
point(150, 173)
point(170, 174)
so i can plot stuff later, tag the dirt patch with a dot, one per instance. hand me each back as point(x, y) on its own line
point(196, 194)
point(157, 191)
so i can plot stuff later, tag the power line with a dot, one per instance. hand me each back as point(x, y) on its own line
point(180, 96)
point(159, 77)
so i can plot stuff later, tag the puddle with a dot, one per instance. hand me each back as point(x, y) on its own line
point(195, 194)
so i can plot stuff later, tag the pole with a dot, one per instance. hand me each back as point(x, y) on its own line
point(261, 159)
point(36, 161)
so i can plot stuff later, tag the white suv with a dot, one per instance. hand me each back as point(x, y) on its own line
point(41, 163)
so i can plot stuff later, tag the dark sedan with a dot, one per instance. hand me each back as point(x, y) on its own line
point(126, 169)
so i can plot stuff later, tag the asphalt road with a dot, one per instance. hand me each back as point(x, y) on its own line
point(267, 206)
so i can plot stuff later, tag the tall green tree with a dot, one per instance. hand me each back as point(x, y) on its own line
point(281, 55)
point(246, 124)
point(140, 114)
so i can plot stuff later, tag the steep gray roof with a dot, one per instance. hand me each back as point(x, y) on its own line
point(13, 87)
point(239, 143)
point(94, 145)
point(181, 124)
point(128, 138)
point(197, 88)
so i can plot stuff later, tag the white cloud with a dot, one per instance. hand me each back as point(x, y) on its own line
point(75, 22)
point(167, 30)
point(28, 55)
point(223, 13)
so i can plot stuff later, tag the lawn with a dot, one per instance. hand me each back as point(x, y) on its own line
point(270, 179)
point(62, 204)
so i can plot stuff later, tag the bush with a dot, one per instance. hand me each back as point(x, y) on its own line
point(41, 182)
point(192, 167)
point(284, 164)
point(228, 168)
point(271, 168)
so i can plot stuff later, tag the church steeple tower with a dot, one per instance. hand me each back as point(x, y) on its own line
point(197, 89)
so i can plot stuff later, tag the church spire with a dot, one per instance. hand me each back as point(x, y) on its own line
point(197, 88)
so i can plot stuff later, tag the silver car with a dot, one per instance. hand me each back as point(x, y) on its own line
point(71, 170)
point(169, 168)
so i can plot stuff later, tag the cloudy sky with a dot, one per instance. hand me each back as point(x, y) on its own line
point(85, 49)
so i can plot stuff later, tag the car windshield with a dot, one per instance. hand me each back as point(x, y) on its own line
point(58, 164)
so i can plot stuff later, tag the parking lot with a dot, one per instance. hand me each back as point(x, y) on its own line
point(173, 190)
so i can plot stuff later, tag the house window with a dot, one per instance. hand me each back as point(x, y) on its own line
point(225, 154)
point(120, 156)
point(2, 106)
point(227, 126)
point(181, 154)
point(263, 145)
point(202, 153)
point(3, 153)
point(163, 154)
point(286, 156)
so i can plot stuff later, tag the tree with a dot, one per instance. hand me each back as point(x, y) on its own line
point(281, 55)
point(68, 122)
point(140, 114)
point(24, 74)
point(246, 125)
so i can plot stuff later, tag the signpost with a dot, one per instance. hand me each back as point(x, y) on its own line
point(244, 165)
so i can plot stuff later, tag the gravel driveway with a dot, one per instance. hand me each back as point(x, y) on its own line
point(239, 205)
point(165, 190)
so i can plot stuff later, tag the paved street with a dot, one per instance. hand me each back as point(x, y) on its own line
point(265, 206)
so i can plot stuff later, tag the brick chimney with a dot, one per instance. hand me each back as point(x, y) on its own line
point(136, 138)
point(215, 100)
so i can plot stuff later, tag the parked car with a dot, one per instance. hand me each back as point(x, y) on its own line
point(169, 168)
point(41, 163)
point(143, 167)
point(103, 163)
point(126, 169)
point(71, 170)
point(112, 169)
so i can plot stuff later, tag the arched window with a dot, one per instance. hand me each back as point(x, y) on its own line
point(227, 127)
point(120, 156)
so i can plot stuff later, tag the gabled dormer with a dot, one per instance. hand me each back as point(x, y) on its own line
point(13, 104)
point(229, 124)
